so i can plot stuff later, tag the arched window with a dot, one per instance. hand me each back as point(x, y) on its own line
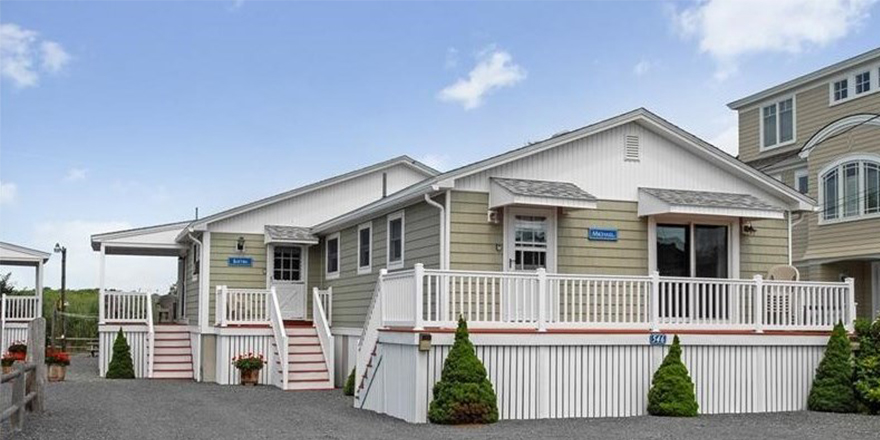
point(850, 189)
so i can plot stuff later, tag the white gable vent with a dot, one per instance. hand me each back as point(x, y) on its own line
point(631, 148)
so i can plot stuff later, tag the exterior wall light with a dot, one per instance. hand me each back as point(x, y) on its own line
point(239, 245)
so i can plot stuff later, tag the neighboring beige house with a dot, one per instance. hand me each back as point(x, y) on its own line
point(820, 133)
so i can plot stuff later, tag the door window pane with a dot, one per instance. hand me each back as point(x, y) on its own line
point(673, 251)
point(287, 264)
point(711, 251)
point(530, 242)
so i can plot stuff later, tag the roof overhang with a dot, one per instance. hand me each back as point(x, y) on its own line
point(15, 255)
point(502, 194)
point(652, 204)
point(289, 235)
point(158, 240)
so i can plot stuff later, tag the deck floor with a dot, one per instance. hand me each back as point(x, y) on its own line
point(88, 407)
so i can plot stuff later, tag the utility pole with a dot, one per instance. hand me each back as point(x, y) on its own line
point(63, 251)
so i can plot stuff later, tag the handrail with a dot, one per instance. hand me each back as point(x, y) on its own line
point(322, 327)
point(151, 336)
point(281, 339)
point(369, 334)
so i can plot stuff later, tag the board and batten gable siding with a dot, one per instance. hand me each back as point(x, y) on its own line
point(596, 164)
point(812, 113)
point(254, 277)
point(352, 293)
point(322, 204)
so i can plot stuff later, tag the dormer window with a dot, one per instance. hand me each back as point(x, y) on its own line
point(840, 90)
point(863, 82)
point(777, 123)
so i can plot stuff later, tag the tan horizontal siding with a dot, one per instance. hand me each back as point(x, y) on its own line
point(223, 247)
point(474, 242)
point(192, 293)
point(626, 256)
point(768, 247)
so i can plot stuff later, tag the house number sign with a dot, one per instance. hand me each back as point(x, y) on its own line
point(657, 339)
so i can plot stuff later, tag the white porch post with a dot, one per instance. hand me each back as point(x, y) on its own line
point(419, 272)
point(759, 301)
point(38, 288)
point(102, 319)
point(851, 302)
point(542, 299)
point(655, 301)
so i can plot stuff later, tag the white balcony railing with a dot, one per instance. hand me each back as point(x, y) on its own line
point(126, 307)
point(21, 308)
point(422, 297)
point(241, 306)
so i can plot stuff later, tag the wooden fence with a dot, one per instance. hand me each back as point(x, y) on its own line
point(28, 380)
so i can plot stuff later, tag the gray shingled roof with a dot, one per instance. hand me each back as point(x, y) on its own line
point(543, 188)
point(710, 199)
point(290, 233)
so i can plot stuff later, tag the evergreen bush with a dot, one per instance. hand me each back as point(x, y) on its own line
point(464, 393)
point(672, 391)
point(348, 389)
point(121, 365)
point(833, 385)
point(867, 366)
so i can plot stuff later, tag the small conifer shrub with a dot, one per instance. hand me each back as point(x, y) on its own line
point(464, 393)
point(672, 390)
point(121, 365)
point(348, 389)
point(867, 366)
point(832, 389)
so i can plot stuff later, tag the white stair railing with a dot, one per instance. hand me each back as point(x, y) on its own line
point(322, 327)
point(151, 337)
point(280, 334)
point(241, 306)
point(370, 334)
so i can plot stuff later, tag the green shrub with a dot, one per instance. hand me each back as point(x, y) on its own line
point(348, 389)
point(833, 385)
point(464, 393)
point(672, 391)
point(867, 366)
point(121, 365)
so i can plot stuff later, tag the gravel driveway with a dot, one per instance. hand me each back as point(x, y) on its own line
point(86, 407)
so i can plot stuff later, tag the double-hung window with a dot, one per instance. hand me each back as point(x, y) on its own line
point(395, 240)
point(851, 189)
point(331, 253)
point(802, 181)
point(365, 248)
point(777, 123)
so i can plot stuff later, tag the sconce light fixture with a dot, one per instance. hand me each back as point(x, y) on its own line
point(748, 229)
point(239, 245)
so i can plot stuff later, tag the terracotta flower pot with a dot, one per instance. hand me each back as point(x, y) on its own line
point(20, 355)
point(57, 372)
point(250, 377)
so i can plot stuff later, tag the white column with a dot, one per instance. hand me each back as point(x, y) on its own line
point(542, 299)
point(759, 304)
point(419, 276)
point(655, 301)
point(851, 302)
point(101, 271)
point(38, 288)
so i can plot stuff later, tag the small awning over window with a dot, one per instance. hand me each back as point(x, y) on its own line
point(289, 234)
point(653, 201)
point(539, 193)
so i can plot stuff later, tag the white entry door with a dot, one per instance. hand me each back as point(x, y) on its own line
point(530, 239)
point(287, 275)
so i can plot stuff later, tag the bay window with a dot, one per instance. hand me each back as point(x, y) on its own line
point(850, 189)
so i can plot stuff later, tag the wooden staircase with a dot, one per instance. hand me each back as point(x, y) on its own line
point(307, 368)
point(172, 353)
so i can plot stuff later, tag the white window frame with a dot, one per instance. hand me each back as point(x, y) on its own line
point(361, 270)
point(870, 82)
point(839, 165)
point(775, 103)
point(797, 179)
point(196, 261)
point(327, 274)
point(850, 76)
point(395, 264)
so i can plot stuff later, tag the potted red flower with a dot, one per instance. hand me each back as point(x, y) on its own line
point(57, 362)
point(18, 349)
point(249, 365)
point(7, 361)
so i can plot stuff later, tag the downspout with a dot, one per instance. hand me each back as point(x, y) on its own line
point(197, 357)
point(789, 236)
point(442, 210)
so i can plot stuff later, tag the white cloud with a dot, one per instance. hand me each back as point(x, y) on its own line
point(122, 272)
point(728, 139)
point(731, 29)
point(438, 162)
point(8, 193)
point(642, 67)
point(24, 55)
point(76, 174)
point(494, 70)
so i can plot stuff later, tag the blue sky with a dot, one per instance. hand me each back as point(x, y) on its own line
point(124, 114)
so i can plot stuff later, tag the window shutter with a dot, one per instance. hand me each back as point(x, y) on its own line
point(631, 148)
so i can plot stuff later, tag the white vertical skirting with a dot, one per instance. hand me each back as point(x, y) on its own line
point(566, 381)
point(229, 346)
point(13, 332)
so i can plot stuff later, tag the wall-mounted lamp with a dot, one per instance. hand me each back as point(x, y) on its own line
point(748, 229)
point(239, 245)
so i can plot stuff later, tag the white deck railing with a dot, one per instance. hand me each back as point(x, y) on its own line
point(126, 307)
point(322, 327)
point(281, 338)
point(241, 306)
point(21, 308)
point(421, 297)
point(325, 297)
